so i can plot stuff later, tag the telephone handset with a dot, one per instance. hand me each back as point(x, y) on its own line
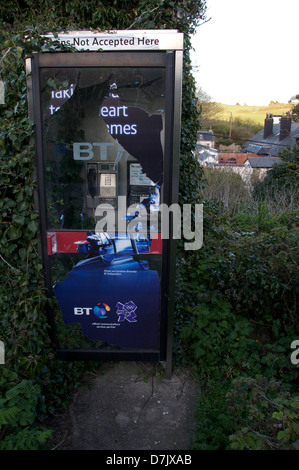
point(92, 182)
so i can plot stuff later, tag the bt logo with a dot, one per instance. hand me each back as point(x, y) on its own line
point(100, 310)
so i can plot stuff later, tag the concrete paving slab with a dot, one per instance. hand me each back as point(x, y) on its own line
point(132, 406)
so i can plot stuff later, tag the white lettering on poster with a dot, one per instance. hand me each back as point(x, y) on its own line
point(104, 112)
point(86, 151)
point(119, 129)
point(118, 111)
point(82, 310)
point(62, 96)
point(113, 111)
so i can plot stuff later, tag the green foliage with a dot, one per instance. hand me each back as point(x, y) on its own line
point(282, 178)
point(190, 170)
point(253, 270)
point(238, 129)
point(223, 187)
point(237, 322)
point(266, 413)
point(214, 423)
point(247, 413)
point(218, 340)
point(18, 408)
point(295, 112)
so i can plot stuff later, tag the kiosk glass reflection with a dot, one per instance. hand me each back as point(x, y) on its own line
point(103, 139)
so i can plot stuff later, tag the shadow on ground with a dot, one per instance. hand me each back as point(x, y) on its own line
point(130, 406)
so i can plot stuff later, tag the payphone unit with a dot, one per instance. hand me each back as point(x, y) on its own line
point(101, 184)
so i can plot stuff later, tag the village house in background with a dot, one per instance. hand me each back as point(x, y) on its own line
point(206, 152)
point(257, 156)
point(206, 139)
point(277, 134)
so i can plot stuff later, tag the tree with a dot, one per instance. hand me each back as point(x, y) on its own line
point(295, 113)
point(283, 177)
point(295, 110)
point(207, 108)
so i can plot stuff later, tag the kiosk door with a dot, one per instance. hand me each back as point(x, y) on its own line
point(104, 133)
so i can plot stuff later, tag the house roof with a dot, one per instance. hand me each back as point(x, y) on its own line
point(271, 145)
point(206, 136)
point(232, 158)
point(263, 162)
point(205, 152)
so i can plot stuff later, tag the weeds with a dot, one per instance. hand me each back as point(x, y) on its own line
point(240, 318)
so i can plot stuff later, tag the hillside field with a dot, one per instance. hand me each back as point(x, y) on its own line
point(256, 114)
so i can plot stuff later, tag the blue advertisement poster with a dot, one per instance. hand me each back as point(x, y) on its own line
point(115, 301)
point(103, 145)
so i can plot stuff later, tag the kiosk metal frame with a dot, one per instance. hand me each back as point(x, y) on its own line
point(171, 61)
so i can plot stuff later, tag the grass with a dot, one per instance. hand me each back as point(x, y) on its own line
point(239, 121)
point(256, 114)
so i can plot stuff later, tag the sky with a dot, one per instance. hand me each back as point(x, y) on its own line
point(247, 52)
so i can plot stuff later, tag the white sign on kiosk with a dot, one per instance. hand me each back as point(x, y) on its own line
point(121, 40)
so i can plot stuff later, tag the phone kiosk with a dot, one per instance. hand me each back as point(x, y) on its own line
point(107, 120)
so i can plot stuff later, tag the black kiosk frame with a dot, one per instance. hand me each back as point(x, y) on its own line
point(55, 76)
